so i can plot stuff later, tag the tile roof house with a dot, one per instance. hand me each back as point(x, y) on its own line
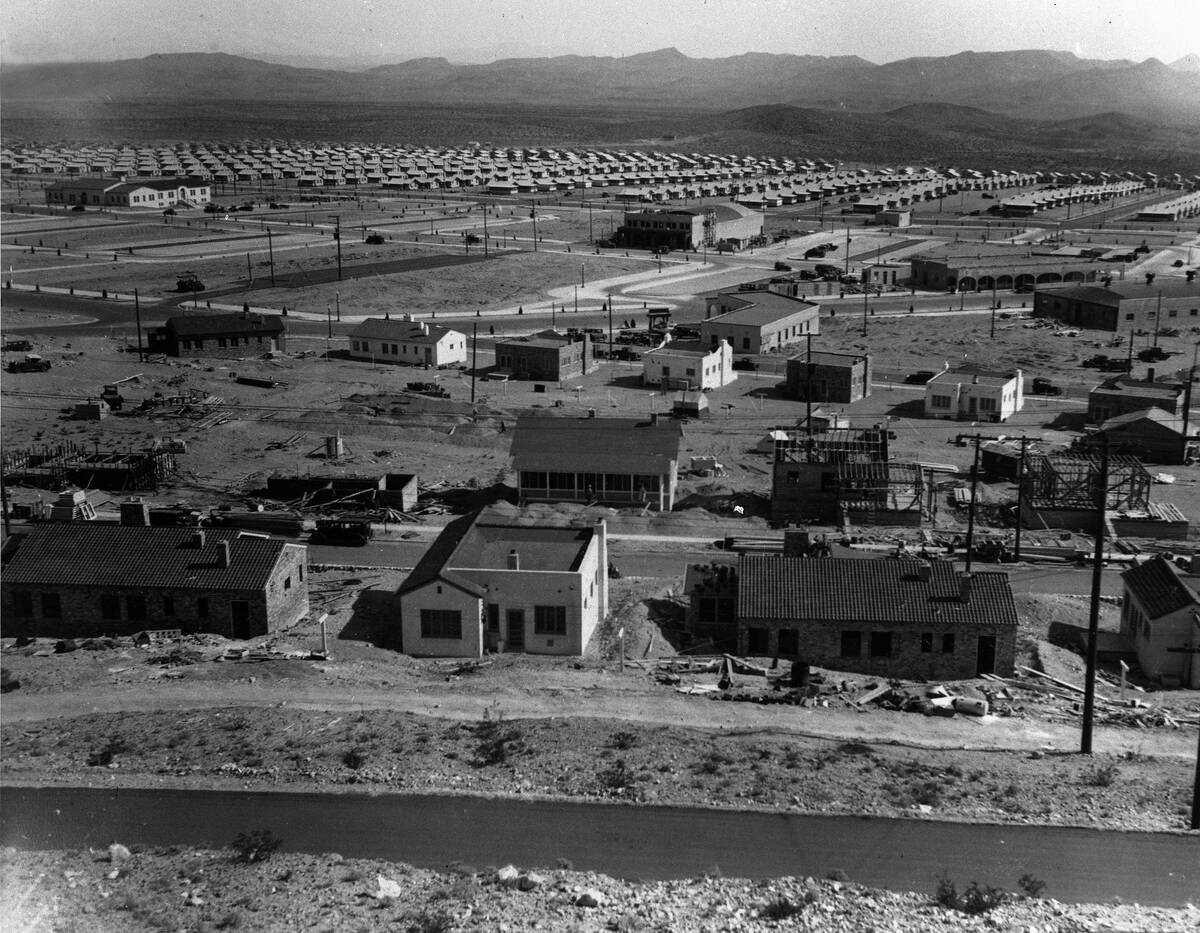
point(405, 340)
point(232, 335)
point(892, 617)
point(1160, 617)
point(489, 583)
point(1122, 394)
point(619, 461)
point(88, 578)
point(1150, 434)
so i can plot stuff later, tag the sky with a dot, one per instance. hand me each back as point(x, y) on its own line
point(364, 33)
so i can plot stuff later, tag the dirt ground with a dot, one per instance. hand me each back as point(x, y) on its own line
point(206, 890)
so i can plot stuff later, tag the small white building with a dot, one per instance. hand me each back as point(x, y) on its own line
point(973, 394)
point(403, 340)
point(689, 365)
point(490, 584)
point(1160, 618)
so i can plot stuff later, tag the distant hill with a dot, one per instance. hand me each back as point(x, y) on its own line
point(1031, 84)
point(1189, 62)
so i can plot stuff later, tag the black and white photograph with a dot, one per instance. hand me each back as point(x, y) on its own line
point(673, 466)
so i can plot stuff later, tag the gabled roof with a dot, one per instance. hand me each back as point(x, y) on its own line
point(88, 554)
point(1118, 291)
point(1158, 588)
point(1163, 418)
point(595, 445)
point(202, 324)
point(886, 590)
point(757, 308)
point(408, 331)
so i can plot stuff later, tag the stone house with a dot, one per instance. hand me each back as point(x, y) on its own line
point(204, 334)
point(834, 377)
point(890, 617)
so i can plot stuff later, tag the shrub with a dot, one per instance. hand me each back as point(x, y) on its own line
point(355, 758)
point(255, 846)
point(1102, 776)
point(104, 756)
point(231, 921)
point(781, 908)
point(624, 740)
point(496, 740)
point(1031, 885)
point(976, 899)
point(616, 778)
point(430, 921)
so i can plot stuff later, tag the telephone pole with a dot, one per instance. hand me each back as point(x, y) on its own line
point(271, 254)
point(1020, 498)
point(137, 310)
point(808, 425)
point(971, 508)
point(474, 358)
point(337, 236)
point(1089, 682)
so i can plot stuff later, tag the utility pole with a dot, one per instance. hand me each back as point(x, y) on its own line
point(610, 334)
point(337, 303)
point(864, 333)
point(485, 235)
point(1158, 317)
point(1020, 498)
point(271, 254)
point(137, 310)
point(1195, 785)
point(533, 214)
point(847, 260)
point(808, 425)
point(1089, 682)
point(337, 236)
point(971, 509)
point(474, 357)
point(591, 237)
point(249, 269)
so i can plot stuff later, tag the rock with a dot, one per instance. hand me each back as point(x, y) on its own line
point(387, 888)
point(508, 876)
point(117, 853)
point(589, 898)
point(335, 859)
point(530, 881)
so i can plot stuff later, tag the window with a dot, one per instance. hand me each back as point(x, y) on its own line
point(881, 644)
point(135, 606)
point(926, 642)
point(1129, 317)
point(23, 603)
point(757, 642)
point(51, 606)
point(110, 606)
point(745, 343)
point(441, 623)
point(789, 642)
point(550, 620)
point(987, 404)
point(168, 605)
point(493, 617)
point(940, 401)
point(221, 341)
point(851, 644)
point(948, 643)
point(533, 479)
point(287, 582)
point(202, 607)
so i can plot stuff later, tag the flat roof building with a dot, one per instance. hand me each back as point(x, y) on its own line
point(829, 377)
point(545, 356)
point(1122, 306)
point(758, 321)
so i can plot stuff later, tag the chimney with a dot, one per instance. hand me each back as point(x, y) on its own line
point(1150, 374)
point(514, 559)
point(924, 572)
point(964, 587)
point(795, 542)
point(654, 417)
point(223, 554)
point(135, 511)
point(197, 539)
point(591, 413)
point(975, 379)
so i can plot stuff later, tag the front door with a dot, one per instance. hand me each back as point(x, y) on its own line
point(240, 613)
point(986, 663)
point(516, 629)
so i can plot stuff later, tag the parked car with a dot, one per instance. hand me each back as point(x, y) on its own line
point(19, 346)
point(1043, 386)
point(920, 377)
point(745, 363)
point(427, 388)
point(1153, 354)
point(31, 364)
point(782, 267)
point(346, 531)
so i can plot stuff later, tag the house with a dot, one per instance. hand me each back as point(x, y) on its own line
point(221, 335)
point(732, 225)
point(970, 393)
point(546, 356)
point(845, 476)
point(758, 321)
point(405, 340)
point(1150, 434)
point(1160, 617)
point(78, 579)
point(682, 364)
point(1123, 394)
point(832, 377)
point(488, 583)
point(1121, 306)
point(617, 461)
point(890, 617)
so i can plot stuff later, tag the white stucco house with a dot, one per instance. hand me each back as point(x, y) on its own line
point(404, 340)
point(689, 365)
point(970, 393)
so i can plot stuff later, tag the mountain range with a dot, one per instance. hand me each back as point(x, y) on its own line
point(1031, 84)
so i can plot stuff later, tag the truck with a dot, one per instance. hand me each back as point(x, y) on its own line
point(31, 364)
point(342, 530)
point(427, 388)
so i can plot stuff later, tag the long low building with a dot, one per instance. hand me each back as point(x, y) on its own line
point(758, 321)
point(405, 340)
point(725, 224)
point(1122, 306)
point(207, 334)
point(145, 193)
point(616, 461)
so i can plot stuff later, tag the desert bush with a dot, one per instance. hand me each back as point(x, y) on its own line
point(976, 899)
point(255, 846)
point(617, 777)
point(780, 908)
point(623, 740)
point(1031, 885)
point(354, 759)
point(496, 740)
point(430, 921)
point(102, 757)
point(1101, 776)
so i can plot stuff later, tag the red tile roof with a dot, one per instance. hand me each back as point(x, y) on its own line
point(1157, 586)
point(887, 590)
point(101, 555)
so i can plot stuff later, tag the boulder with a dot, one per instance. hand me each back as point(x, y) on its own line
point(589, 898)
point(117, 853)
point(508, 876)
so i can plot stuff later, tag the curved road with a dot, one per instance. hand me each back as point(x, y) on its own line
point(1081, 865)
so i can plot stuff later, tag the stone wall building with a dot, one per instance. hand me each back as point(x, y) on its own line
point(230, 336)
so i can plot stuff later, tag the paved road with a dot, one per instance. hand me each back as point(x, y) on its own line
point(1079, 865)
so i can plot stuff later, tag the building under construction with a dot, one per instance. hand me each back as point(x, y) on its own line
point(1063, 491)
point(391, 490)
point(68, 464)
point(844, 476)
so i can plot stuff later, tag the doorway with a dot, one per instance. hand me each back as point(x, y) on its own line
point(986, 662)
point(516, 629)
point(240, 612)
